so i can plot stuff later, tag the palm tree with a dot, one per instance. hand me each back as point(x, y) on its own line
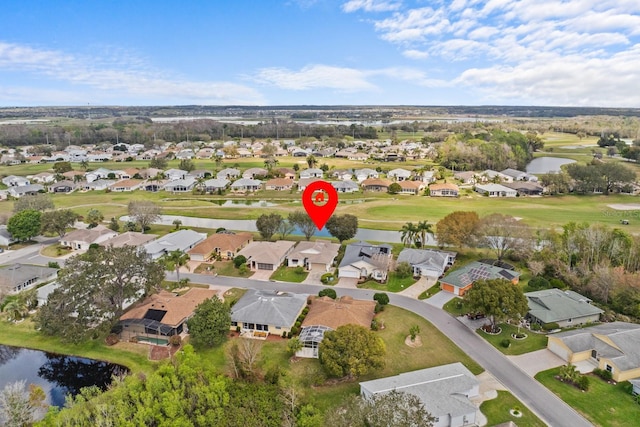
point(17, 309)
point(422, 229)
point(84, 165)
point(311, 161)
point(176, 259)
point(408, 231)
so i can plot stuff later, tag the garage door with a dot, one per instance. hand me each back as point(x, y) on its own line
point(348, 273)
point(559, 349)
point(262, 266)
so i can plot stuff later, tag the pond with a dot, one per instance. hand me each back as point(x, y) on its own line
point(57, 374)
point(542, 165)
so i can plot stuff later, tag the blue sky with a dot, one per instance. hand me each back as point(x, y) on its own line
point(321, 52)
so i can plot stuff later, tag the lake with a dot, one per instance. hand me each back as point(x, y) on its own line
point(57, 374)
point(542, 165)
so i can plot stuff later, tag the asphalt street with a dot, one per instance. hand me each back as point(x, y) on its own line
point(536, 397)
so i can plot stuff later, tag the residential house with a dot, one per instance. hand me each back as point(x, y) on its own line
point(5, 237)
point(444, 190)
point(327, 314)
point(494, 176)
point(526, 188)
point(376, 184)
point(445, 391)
point(466, 177)
point(311, 173)
point(127, 185)
point(427, 177)
point(365, 173)
point(129, 238)
point(399, 174)
point(411, 187)
point(228, 173)
point(359, 157)
point(345, 186)
point(305, 182)
point(62, 187)
point(266, 255)
point(180, 185)
point(222, 245)
point(150, 173)
point(25, 190)
point(44, 178)
point(174, 174)
point(566, 308)
point(459, 281)
point(495, 190)
point(205, 153)
point(19, 277)
point(613, 347)
point(246, 185)
point(427, 262)
point(181, 240)
point(199, 174)
point(155, 186)
point(161, 315)
point(186, 154)
point(243, 152)
point(318, 255)
point(260, 313)
point(517, 175)
point(216, 184)
point(15, 181)
point(255, 173)
point(363, 260)
point(100, 173)
point(287, 173)
point(97, 185)
point(279, 184)
point(342, 174)
point(82, 238)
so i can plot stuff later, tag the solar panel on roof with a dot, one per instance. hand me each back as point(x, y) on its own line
point(154, 314)
point(506, 274)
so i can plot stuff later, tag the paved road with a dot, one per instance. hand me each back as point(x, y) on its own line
point(29, 254)
point(531, 393)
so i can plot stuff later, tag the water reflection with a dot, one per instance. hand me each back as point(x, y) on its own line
point(58, 375)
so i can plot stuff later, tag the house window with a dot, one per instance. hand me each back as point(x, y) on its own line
point(609, 368)
point(234, 323)
point(249, 326)
point(569, 320)
point(262, 327)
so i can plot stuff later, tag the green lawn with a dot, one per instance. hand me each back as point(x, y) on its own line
point(430, 292)
point(497, 411)
point(289, 274)
point(603, 404)
point(533, 342)
point(226, 268)
point(394, 283)
point(456, 307)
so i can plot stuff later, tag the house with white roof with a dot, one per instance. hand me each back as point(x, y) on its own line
point(228, 173)
point(365, 173)
point(399, 174)
point(173, 174)
point(253, 173)
point(216, 184)
point(25, 190)
point(317, 256)
point(15, 181)
point(445, 391)
point(345, 186)
point(180, 185)
point(495, 190)
point(311, 173)
point(246, 185)
point(363, 260)
point(427, 262)
point(266, 255)
point(259, 313)
point(181, 240)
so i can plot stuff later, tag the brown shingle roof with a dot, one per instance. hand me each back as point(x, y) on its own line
point(370, 182)
point(178, 308)
point(223, 241)
point(444, 186)
point(335, 313)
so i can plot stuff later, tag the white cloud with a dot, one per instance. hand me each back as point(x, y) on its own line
point(415, 54)
point(119, 77)
point(316, 76)
point(370, 5)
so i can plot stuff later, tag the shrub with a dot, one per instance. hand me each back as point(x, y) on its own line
point(557, 283)
point(404, 270)
point(374, 325)
point(239, 260)
point(583, 382)
point(298, 270)
point(539, 282)
point(506, 343)
point(175, 340)
point(331, 293)
point(298, 324)
point(294, 331)
point(381, 298)
point(535, 326)
point(112, 339)
point(243, 269)
point(53, 264)
point(603, 373)
point(550, 326)
point(378, 308)
point(305, 311)
point(326, 278)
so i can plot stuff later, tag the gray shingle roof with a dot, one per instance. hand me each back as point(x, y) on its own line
point(442, 389)
point(553, 305)
point(364, 251)
point(468, 274)
point(279, 309)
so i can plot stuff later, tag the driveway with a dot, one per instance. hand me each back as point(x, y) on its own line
point(419, 287)
point(347, 282)
point(262, 275)
point(313, 278)
point(536, 361)
point(440, 299)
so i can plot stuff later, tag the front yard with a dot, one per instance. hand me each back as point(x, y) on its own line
point(226, 268)
point(604, 404)
point(497, 411)
point(394, 283)
point(534, 341)
point(289, 274)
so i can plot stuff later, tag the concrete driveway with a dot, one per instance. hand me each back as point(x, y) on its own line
point(313, 278)
point(262, 275)
point(440, 299)
point(347, 282)
point(537, 361)
point(419, 287)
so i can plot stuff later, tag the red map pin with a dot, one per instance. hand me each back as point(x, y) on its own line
point(319, 200)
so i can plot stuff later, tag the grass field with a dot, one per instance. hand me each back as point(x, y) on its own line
point(497, 411)
point(533, 342)
point(604, 404)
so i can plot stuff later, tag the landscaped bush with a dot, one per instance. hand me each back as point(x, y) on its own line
point(298, 270)
point(550, 326)
point(535, 327)
point(331, 293)
point(381, 298)
point(506, 343)
point(603, 373)
point(175, 340)
point(294, 331)
point(239, 260)
point(374, 325)
point(326, 278)
point(557, 283)
point(112, 339)
point(583, 382)
point(243, 269)
point(53, 264)
point(378, 308)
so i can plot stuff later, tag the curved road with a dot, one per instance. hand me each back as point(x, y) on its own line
point(544, 403)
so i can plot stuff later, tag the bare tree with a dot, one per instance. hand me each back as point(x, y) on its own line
point(144, 213)
point(504, 234)
point(536, 267)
